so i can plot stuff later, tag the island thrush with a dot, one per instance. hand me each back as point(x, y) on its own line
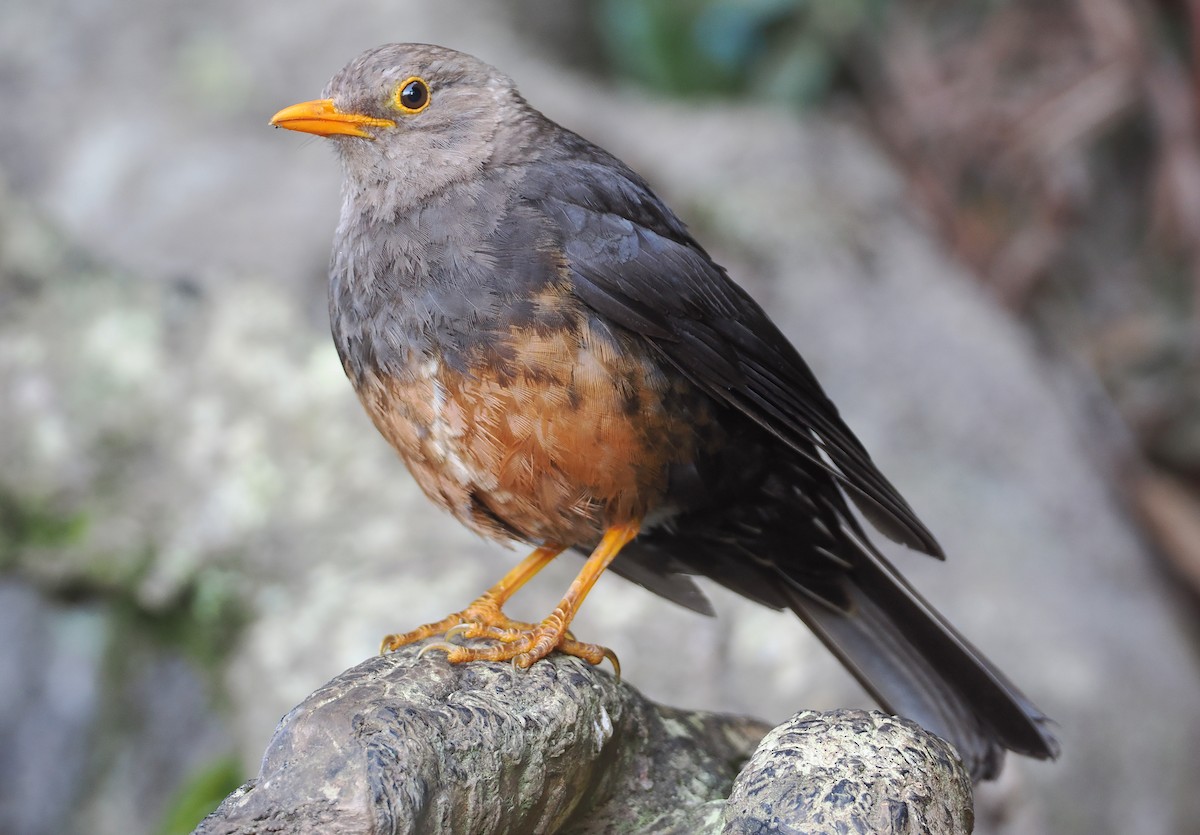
point(559, 362)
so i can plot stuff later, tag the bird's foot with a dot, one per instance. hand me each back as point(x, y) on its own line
point(520, 643)
point(482, 619)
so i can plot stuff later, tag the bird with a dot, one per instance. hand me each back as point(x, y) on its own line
point(560, 363)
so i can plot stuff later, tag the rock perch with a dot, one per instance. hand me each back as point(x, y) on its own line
point(399, 744)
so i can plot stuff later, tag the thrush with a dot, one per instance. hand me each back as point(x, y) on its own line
point(560, 363)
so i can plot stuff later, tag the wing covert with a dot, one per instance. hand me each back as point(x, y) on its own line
point(633, 261)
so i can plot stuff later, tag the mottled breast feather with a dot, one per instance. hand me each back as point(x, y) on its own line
point(553, 438)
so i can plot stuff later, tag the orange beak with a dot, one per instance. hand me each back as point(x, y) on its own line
point(323, 119)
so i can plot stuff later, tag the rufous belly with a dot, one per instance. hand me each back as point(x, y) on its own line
point(554, 437)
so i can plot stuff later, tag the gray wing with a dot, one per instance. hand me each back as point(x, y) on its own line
point(634, 262)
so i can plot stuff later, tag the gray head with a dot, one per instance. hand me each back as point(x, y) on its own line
point(415, 117)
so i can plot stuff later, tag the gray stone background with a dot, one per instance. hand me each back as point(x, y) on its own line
point(198, 527)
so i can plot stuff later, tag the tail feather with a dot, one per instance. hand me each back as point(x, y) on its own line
point(916, 665)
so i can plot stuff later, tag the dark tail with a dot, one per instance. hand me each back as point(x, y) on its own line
point(916, 665)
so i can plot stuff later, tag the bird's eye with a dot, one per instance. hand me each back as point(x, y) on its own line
point(412, 96)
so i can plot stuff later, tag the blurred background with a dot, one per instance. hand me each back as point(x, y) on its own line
point(979, 222)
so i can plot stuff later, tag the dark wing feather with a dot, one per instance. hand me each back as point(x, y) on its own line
point(633, 261)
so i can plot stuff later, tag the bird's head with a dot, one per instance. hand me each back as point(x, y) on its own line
point(413, 115)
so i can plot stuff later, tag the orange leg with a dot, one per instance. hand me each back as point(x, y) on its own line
point(483, 616)
point(532, 642)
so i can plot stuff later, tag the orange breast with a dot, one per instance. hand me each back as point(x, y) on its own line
point(549, 436)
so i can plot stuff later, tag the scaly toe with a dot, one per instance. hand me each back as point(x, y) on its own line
point(523, 646)
point(482, 619)
point(592, 653)
point(429, 630)
point(390, 643)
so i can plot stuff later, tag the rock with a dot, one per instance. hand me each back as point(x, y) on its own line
point(850, 771)
point(400, 745)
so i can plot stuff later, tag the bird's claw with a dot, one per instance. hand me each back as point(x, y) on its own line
point(463, 629)
point(508, 640)
point(612, 659)
point(439, 646)
point(523, 648)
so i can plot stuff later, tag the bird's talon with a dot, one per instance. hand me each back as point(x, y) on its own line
point(612, 658)
point(439, 646)
point(463, 629)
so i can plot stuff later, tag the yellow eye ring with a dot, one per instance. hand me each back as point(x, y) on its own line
point(412, 95)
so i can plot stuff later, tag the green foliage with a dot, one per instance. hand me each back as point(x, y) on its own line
point(203, 621)
point(37, 524)
point(200, 795)
point(789, 50)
